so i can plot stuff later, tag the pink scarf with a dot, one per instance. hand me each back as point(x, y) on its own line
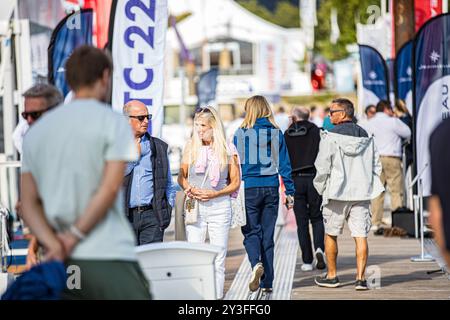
point(206, 157)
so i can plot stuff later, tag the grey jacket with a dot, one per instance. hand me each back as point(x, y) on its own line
point(348, 168)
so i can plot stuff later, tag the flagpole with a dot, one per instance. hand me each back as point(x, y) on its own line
point(182, 102)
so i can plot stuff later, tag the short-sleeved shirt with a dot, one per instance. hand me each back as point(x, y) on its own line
point(66, 152)
point(440, 173)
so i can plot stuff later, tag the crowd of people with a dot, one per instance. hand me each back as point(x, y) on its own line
point(95, 183)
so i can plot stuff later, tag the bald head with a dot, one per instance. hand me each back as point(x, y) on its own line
point(134, 106)
point(137, 113)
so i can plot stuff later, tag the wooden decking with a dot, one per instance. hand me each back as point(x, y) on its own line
point(399, 278)
point(389, 262)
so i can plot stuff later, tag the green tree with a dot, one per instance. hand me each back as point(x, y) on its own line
point(286, 14)
point(349, 13)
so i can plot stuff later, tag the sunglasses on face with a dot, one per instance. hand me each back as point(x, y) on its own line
point(141, 118)
point(34, 115)
point(337, 110)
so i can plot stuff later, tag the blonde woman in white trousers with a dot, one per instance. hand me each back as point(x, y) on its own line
point(208, 153)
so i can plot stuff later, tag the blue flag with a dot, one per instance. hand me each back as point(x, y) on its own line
point(206, 87)
point(71, 32)
point(431, 87)
point(374, 75)
point(403, 74)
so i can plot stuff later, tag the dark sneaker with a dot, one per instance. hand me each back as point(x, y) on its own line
point(361, 285)
point(267, 290)
point(328, 283)
point(258, 271)
point(320, 259)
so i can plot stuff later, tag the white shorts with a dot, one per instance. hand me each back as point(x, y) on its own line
point(357, 214)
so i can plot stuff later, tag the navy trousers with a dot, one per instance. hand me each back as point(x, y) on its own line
point(146, 227)
point(261, 205)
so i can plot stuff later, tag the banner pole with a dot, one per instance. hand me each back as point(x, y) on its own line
point(423, 257)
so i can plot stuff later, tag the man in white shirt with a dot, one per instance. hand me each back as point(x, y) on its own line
point(388, 132)
point(73, 166)
point(39, 99)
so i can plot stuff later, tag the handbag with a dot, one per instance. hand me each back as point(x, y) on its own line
point(238, 213)
point(191, 205)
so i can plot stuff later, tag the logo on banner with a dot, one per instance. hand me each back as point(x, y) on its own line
point(434, 56)
point(408, 78)
point(445, 114)
point(409, 71)
point(373, 82)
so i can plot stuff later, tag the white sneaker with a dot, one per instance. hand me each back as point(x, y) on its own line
point(258, 271)
point(320, 259)
point(307, 267)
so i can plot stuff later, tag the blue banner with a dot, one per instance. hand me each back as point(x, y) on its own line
point(431, 87)
point(374, 75)
point(391, 74)
point(403, 74)
point(71, 32)
point(206, 87)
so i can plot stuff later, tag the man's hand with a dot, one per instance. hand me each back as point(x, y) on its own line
point(31, 259)
point(55, 252)
point(289, 202)
point(33, 248)
point(68, 241)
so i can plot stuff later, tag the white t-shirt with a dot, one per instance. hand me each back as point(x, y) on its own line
point(66, 153)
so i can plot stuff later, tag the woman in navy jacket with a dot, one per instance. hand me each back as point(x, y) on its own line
point(264, 156)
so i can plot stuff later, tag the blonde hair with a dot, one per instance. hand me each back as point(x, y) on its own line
point(218, 144)
point(257, 107)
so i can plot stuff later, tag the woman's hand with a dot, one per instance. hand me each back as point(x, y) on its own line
point(188, 192)
point(204, 194)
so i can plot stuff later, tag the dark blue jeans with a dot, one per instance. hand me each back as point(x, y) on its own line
point(261, 205)
point(146, 227)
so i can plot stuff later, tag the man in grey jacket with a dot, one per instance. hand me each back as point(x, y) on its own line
point(348, 177)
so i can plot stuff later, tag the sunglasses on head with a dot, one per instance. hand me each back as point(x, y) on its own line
point(204, 109)
point(141, 118)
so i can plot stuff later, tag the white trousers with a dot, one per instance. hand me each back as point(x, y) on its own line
point(214, 217)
